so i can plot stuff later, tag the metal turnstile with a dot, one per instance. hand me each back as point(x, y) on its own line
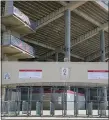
point(76, 102)
point(52, 109)
point(103, 107)
point(12, 105)
point(89, 109)
point(4, 108)
point(38, 108)
point(25, 107)
point(75, 108)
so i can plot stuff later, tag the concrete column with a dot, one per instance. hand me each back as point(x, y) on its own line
point(102, 46)
point(56, 55)
point(8, 8)
point(67, 33)
point(102, 57)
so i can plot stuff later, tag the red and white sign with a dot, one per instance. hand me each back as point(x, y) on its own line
point(26, 74)
point(98, 74)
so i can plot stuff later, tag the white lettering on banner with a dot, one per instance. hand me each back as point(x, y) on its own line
point(98, 74)
point(26, 74)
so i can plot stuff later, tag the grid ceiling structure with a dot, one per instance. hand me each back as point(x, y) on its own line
point(86, 22)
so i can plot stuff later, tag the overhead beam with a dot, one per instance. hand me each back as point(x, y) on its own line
point(88, 18)
point(80, 39)
point(85, 16)
point(96, 54)
point(64, 3)
point(102, 5)
point(58, 13)
point(51, 48)
point(38, 43)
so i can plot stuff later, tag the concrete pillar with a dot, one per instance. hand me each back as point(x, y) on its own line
point(8, 8)
point(102, 57)
point(67, 44)
point(102, 46)
point(56, 55)
point(67, 33)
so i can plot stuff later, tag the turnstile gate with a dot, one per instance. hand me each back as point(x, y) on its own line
point(16, 104)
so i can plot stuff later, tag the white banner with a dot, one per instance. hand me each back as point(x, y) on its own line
point(98, 74)
point(26, 74)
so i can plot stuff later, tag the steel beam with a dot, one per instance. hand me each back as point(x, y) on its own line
point(58, 13)
point(51, 48)
point(62, 51)
point(64, 3)
point(38, 43)
point(102, 5)
point(96, 54)
point(90, 19)
point(85, 16)
point(80, 39)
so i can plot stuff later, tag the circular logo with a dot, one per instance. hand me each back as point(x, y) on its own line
point(6, 76)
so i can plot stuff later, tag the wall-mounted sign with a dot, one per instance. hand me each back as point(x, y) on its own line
point(65, 72)
point(98, 74)
point(30, 73)
point(6, 76)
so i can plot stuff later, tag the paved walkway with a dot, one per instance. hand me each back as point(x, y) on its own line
point(58, 113)
point(50, 118)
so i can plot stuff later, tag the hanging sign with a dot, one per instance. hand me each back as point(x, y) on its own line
point(98, 74)
point(26, 74)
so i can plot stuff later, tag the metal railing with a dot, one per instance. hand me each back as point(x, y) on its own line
point(24, 108)
point(32, 102)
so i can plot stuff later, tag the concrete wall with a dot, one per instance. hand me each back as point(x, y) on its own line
point(51, 73)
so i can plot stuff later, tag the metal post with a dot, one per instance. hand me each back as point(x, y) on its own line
point(41, 99)
point(102, 55)
point(86, 96)
point(67, 33)
point(65, 102)
point(76, 102)
point(31, 89)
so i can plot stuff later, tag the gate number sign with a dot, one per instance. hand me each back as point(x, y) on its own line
point(65, 72)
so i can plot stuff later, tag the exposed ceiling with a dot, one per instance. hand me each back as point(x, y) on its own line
point(85, 20)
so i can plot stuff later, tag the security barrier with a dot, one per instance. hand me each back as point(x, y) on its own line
point(52, 108)
point(90, 109)
point(38, 108)
point(48, 105)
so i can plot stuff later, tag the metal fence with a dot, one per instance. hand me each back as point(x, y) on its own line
point(55, 103)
